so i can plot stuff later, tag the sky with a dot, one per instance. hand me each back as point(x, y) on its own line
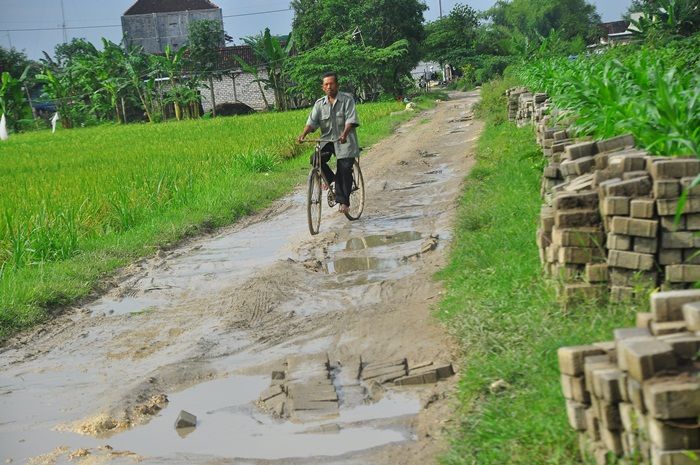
point(93, 19)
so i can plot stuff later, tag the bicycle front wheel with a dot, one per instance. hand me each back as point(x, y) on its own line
point(357, 194)
point(313, 201)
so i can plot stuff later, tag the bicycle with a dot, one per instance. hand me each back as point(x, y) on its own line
point(314, 196)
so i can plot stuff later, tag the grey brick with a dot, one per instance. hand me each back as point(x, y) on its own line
point(642, 208)
point(619, 242)
point(630, 260)
point(675, 168)
point(576, 200)
point(615, 206)
point(682, 273)
point(667, 189)
point(645, 245)
point(639, 187)
point(579, 150)
point(667, 306)
point(634, 226)
point(669, 207)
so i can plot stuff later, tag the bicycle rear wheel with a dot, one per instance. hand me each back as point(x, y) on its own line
point(357, 194)
point(313, 201)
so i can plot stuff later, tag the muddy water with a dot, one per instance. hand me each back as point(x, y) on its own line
point(206, 324)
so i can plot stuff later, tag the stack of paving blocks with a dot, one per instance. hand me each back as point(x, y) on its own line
point(513, 96)
point(679, 247)
point(636, 399)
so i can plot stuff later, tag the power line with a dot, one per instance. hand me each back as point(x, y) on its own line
point(64, 27)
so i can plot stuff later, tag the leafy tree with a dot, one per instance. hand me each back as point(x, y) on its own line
point(360, 68)
point(172, 65)
point(536, 18)
point(667, 17)
point(13, 61)
point(373, 23)
point(205, 38)
point(453, 38)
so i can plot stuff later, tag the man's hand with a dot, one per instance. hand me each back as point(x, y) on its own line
point(301, 138)
point(343, 138)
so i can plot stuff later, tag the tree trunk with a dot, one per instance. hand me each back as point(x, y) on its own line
point(213, 101)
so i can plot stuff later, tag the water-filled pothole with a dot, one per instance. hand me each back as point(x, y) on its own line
point(378, 240)
point(353, 264)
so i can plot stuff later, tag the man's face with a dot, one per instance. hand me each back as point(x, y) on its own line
point(330, 86)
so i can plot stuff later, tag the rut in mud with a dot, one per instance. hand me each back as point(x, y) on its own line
point(263, 332)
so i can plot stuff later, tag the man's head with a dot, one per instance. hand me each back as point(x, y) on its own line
point(329, 84)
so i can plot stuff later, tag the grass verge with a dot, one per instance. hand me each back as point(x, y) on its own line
point(505, 313)
point(222, 174)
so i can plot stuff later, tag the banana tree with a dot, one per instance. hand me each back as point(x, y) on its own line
point(12, 102)
point(172, 64)
point(270, 52)
point(57, 88)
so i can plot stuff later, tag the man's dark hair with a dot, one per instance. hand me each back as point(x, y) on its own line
point(332, 74)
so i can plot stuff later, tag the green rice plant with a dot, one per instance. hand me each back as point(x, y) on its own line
point(257, 161)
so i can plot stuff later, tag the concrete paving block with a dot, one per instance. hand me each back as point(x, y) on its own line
point(576, 200)
point(391, 376)
point(576, 218)
point(628, 417)
point(685, 186)
point(578, 237)
point(583, 165)
point(673, 398)
point(619, 242)
point(667, 189)
point(615, 143)
point(445, 371)
point(639, 187)
point(674, 457)
point(645, 357)
point(636, 395)
point(671, 256)
point(316, 405)
point(580, 150)
point(596, 273)
point(581, 255)
point(634, 227)
point(669, 207)
point(691, 256)
point(577, 415)
point(571, 359)
point(609, 415)
point(615, 206)
point(642, 208)
point(648, 245)
point(633, 175)
point(621, 294)
point(581, 292)
point(552, 171)
point(608, 384)
point(630, 260)
point(379, 369)
point(271, 392)
point(632, 278)
point(629, 333)
point(320, 392)
point(592, 424)
point(677, 240)
point(669, 223)
point(691, 315)
point(592, 364)
point(685, 345)
point(692, 222)
point(683, 273)
point(676, 168)
point(659, 328)
point(419, 377)
point(574, 388)
point(642, 320)
point(185, 420)
point(612, 441)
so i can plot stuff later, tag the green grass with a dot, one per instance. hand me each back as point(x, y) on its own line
point(79, 204)
point(505, 314)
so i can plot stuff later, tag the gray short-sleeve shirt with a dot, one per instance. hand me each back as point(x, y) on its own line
point(331, 119)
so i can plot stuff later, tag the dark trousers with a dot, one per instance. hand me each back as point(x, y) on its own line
point(343, 176)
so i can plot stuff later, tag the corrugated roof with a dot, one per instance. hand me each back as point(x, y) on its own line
point(144, 7)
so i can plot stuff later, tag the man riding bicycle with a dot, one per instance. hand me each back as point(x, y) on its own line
point(335, 115)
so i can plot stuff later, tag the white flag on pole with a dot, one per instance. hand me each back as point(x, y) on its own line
point(54, 120)
point(3, 127)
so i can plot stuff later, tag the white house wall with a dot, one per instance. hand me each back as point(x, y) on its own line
point(246, 91)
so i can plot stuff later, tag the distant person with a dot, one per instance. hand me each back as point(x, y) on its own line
point(335, 115)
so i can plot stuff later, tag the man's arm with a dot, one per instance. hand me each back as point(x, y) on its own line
point(308, 129)
point(312, 123)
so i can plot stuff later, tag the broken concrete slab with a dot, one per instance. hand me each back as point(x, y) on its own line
point(185, 420)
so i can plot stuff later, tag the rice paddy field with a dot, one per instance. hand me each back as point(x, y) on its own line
point(79, 203)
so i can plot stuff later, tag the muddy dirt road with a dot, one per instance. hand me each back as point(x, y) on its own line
point(261, 331)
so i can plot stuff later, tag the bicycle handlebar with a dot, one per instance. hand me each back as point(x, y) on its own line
point(317, 140)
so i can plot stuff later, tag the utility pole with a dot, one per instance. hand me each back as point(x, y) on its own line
point(9, 39)
point(63, 25)
point(440, 4)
